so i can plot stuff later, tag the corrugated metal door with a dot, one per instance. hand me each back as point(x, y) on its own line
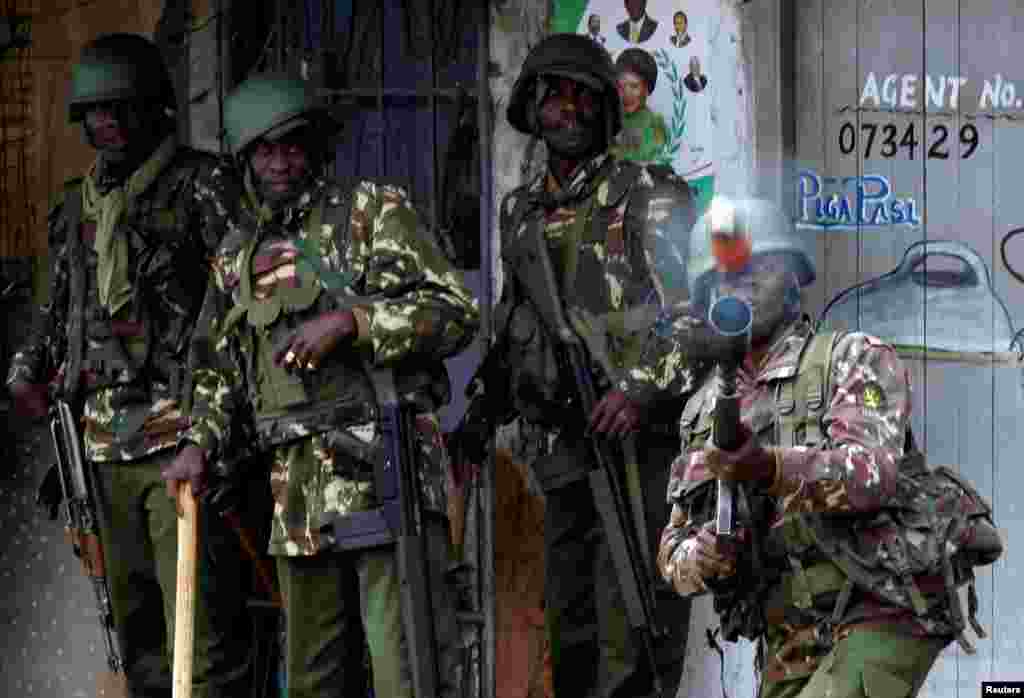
point(908, 133)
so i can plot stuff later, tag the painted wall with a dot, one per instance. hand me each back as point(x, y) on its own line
point(908, 133)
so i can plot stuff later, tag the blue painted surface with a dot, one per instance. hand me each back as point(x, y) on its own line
point(402, 142)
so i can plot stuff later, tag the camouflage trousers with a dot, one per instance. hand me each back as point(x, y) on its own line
point(334, 601)
point(593, 650)
point(867, 663)
point(140, 541)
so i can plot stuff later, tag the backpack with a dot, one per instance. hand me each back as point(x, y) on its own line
point(938, 524)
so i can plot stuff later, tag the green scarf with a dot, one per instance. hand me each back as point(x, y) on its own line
point(264, 213)
point(106, 209)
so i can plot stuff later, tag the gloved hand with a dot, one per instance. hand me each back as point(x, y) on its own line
point(615, 415)
point(30, 399)
point(751, 462)
point(314, 339)
point(711, 557)
point(188, 466)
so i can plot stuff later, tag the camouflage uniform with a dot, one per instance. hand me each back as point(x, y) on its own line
point(610, 253)
point(869, 647)
point(131, 386)
point(273, 271)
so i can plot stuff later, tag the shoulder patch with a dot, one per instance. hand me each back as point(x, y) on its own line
point(872, 396)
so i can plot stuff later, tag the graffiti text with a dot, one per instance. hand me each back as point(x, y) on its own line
point(852, 202)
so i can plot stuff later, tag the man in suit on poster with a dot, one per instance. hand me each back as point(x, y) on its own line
point(638, 28)
point(594, 29)
point(695, 80)
point(681, 38)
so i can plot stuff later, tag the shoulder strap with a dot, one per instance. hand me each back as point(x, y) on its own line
point(76, 292)
point(340, 215)
point(801, 399)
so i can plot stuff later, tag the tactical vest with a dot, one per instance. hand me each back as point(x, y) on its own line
point(940, 528)
point(166, 302)
point(288, 405)
point(535, 373)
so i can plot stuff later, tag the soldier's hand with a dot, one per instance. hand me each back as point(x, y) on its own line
point(751, 462)
point(713, 558)
point(30, 399)
point(306, 347)
point(188, 466)
point(615, 415)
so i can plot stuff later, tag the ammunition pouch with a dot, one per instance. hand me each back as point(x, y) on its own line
point(359, 530)
point(567, 463)
point(806, 594)
point(538, 389)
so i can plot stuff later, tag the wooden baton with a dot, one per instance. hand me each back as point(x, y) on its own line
point(185, 607)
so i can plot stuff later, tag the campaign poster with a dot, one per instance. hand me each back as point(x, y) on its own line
point(684, 79)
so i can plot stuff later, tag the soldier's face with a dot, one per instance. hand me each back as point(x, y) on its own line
point(633, 91)
point(568, 117)
point(279, 166)
point(763, 284)
point(112, 124)
point(635, 9)
point(594, 24)
point(695, 66)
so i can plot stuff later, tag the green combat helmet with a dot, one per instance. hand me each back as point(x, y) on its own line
point(570, 56)
point(761, 222)
point(269, 106)
point(119, 67)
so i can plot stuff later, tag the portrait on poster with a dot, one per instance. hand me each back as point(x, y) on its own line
point(684, 80)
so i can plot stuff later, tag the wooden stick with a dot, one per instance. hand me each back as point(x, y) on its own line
point(185, 616)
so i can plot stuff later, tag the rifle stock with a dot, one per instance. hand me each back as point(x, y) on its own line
point(530, 253)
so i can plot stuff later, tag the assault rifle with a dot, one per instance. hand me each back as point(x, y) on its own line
point(530, 255)
point(399, 519)
point(82, 527)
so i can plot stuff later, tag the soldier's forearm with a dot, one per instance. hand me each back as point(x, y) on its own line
point(422, 325)
point(842, 479)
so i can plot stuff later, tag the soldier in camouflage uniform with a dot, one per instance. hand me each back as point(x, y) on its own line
point(819, 633)
point(612, 229)
point(286, 328)
point(128, 248)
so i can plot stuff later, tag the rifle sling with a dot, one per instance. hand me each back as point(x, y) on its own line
point(76, 292)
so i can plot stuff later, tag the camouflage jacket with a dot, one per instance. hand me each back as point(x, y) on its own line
point(853, 471)
point(272, 272)
point(133, 367)
point(617, 235)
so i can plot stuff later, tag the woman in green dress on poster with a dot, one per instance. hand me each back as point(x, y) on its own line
point(644, 132)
